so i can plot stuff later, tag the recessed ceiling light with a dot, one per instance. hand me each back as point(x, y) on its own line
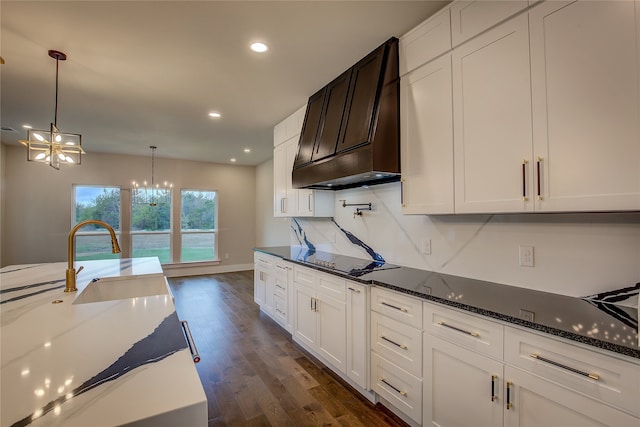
point(247, 150)
point(259, 47)
point(232, 160)
point(215, 115)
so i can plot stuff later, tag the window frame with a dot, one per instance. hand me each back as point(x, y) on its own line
point(214, 231)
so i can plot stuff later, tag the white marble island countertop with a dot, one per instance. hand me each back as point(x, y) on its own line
point(96, 364)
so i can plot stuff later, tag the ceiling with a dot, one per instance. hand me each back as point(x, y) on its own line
point(143, 73)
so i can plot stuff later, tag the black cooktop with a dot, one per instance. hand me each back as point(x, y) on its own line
point(355, 267)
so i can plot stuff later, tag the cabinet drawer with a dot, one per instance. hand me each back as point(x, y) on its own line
point(469, 18)
point(263, 260)
point(280, 310)
point(280, 287)
point(332, 286)
point(475, 333)
point(595, 374)
point(397, 306)
point(397, 342)
point(397, 386)
point(304, 276)
point(425, 42)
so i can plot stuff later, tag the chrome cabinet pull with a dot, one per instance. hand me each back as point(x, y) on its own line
point(190, 342)
point(357, 291)
point(568, 368)
point(538, 161)
point(404, 310)
point(402, 193)
point(509, 404)
point(403, 393)
point(524, 180)
point(402, 346)
point(309, 202)
point(493, 388)
point(473, 334)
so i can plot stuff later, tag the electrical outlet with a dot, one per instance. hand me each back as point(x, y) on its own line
point(426, 246)
point(526, 255)
point(527, 315)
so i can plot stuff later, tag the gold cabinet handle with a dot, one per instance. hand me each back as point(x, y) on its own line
point(473, 334)
point(568, 368)
point(395, 307)
point(524, 180)
point(493, 388)
point(402, 393)
point(402, 346)
point(509, 404)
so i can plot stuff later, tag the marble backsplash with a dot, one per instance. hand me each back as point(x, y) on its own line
point(574, 254)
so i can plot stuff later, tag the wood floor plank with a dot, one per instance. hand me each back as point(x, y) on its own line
point(252, 372)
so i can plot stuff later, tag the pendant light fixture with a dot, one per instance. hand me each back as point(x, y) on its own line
point(52, 146)
point(150, 194)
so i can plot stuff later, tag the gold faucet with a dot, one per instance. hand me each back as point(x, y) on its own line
point(71, 272)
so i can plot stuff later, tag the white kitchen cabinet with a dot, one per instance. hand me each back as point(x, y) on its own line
point(263, 273)
point(461, 387)
point(426, 147)
point(288, 201)
point(534, 401)
point(320, 316)
point(425, 42)
point(471, 17)
point(585, 62)
point(492, 121)
point(358, 334)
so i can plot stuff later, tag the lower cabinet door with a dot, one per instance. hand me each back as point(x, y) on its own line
point(305, 320)
point(534, 401)
point(461, 388)
point(332, 340)
point(357, 334)
point(259, 283)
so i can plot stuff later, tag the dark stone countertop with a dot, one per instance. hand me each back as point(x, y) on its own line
point(607, 326)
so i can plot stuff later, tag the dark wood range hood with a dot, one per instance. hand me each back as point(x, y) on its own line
point(351, 134)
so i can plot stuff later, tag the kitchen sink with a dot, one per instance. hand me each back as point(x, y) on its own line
point(117, 288)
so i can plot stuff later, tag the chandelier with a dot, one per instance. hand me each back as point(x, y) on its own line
point(150, 194)
point(52, 146)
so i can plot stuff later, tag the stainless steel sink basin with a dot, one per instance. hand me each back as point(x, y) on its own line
point(117, 288)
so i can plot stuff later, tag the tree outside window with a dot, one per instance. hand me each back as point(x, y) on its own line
point(151, 229)
point(198, 225)
point(96, 202)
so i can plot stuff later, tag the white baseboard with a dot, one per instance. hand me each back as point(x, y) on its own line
point(184, 270)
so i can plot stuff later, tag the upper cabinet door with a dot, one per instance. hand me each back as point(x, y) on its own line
point(310, 128)
point(492, 121)
point(471, 17)
point(365, 87)
point(585, 58)
point(427, 139)
point(335, 100)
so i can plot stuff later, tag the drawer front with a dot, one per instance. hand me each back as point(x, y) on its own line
point(397, 306)
point(472, 332)
point(471, 17)
point(332, 286)
point(280, 310)
point(304, 276)
point(425, 42)
point(397, 342)
point(280, 287)
point(397, 386)
point(593, 373)
point(263, 260)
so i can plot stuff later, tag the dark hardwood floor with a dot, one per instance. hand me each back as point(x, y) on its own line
point(252, 372)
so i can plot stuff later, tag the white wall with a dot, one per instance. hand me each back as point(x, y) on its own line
point(38, 201)
point(270, 231)
point(575, 254)
point(2, 169)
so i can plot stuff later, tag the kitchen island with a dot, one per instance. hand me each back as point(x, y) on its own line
point(104, 363)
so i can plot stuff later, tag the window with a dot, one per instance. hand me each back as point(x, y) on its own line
point(96, 202)
point(151, 228)
point(198, 225)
